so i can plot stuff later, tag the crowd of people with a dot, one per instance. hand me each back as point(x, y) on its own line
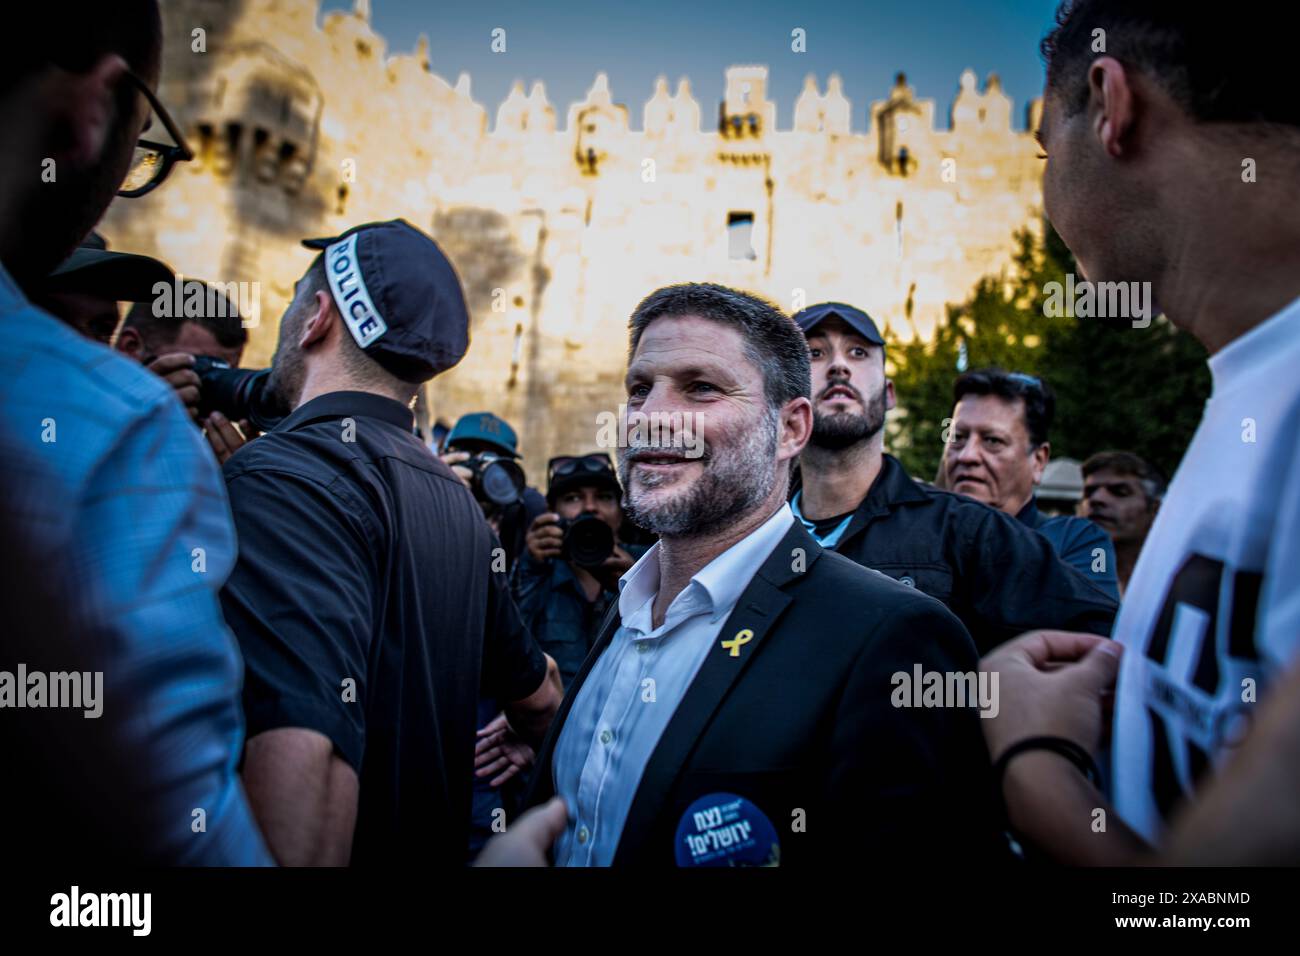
point(328, 639)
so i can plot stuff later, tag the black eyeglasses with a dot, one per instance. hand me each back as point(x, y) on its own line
point(566, 465)
point(152, 161)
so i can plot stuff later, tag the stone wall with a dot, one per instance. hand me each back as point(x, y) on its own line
point(305, 127)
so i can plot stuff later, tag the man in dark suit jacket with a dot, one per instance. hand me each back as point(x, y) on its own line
point(804, 720)
point(742, 660)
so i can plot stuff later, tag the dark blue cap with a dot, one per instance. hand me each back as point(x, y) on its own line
point(123, 276)
point(865, 326)
point(484, 427)
point(399, 297)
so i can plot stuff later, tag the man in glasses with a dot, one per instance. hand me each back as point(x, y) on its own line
point(563, 595)
point(860, 502)
point(996, 453)
point(109, 479)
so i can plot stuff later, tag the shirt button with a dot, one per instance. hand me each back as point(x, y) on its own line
point(642, 647)
point(606, 736)
point(583, 834)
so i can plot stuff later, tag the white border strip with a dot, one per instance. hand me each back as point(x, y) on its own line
point(350, 293)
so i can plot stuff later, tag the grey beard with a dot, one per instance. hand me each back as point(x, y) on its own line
point(845, 429)
point(729, 486)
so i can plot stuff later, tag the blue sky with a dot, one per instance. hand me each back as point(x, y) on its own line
point(565, 44)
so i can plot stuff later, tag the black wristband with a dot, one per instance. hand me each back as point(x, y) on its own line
point(1059, 745)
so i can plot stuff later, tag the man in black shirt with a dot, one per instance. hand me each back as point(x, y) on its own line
point(999, 576)
point(364, 598)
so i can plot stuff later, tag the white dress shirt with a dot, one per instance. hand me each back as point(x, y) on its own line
point(632, 691)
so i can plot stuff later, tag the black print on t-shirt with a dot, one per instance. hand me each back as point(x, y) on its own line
point(1201, 718)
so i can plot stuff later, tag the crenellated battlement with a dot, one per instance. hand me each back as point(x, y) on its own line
point(561, 216)
point(344, 43)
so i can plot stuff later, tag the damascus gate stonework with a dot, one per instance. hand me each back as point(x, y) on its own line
point(560, 220)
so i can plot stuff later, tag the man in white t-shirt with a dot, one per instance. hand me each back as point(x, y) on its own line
point(1174, 159)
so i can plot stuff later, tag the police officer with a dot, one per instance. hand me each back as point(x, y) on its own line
point(998, 576)
point(364, 597)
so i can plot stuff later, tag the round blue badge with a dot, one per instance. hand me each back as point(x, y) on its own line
point(723, 829)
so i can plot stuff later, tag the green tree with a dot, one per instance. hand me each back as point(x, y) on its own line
point(1138, 389)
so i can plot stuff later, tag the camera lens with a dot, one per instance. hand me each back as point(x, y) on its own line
point(501, 481)
point(588, 541)
point(235, 392)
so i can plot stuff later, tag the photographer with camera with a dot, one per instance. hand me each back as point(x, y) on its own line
point(85, 291)
point(184, 352)
point(482, 450)
point(568, 573)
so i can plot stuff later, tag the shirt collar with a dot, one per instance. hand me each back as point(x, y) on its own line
point(892, 486)
point(1029, 513)
point(719, 583)
point(726, 576)
point(830, 538)
point(1242, 358)
point(342, 404)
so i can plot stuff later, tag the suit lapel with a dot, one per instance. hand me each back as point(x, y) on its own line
point(543, 787)
point(755, 613)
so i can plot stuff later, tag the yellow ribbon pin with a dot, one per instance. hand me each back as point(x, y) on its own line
point(742, 638)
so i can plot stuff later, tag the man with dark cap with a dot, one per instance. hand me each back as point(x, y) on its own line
point(364, 597)
point(998, 576)
point(563, 596)
point(85, 289)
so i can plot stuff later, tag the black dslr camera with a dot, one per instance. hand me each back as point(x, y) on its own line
point(237, 393)
point(588, 541)
point(495, 479)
